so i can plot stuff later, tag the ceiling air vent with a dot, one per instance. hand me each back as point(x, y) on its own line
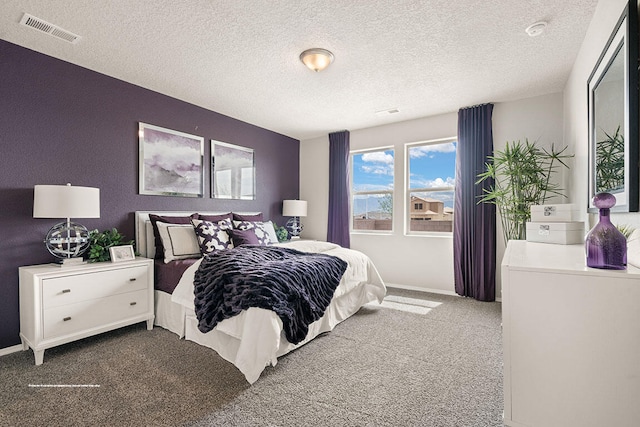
point(46, 27)
point(387, 112)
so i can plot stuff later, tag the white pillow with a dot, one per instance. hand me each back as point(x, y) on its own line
point(179, 241)
point(271, 231)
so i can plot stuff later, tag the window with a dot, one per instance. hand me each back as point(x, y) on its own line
point(372, 190)
point(430, 185)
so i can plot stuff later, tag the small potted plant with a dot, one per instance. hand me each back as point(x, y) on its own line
point(100, 242)
point(281, 233)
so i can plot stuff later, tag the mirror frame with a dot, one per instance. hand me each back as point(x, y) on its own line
point(624, 39)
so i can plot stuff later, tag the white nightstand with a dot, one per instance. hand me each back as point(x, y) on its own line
point(63, 304)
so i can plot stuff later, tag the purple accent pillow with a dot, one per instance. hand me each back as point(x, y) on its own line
point(212, 236)
point(256, 217)
point(214, 218)
point(257, 227)
point(167, 276)
point(243, 237)
point(169, 220)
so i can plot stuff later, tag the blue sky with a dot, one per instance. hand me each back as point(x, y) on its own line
point(430, 166)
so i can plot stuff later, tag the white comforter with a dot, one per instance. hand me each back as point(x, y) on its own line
point(254, 339)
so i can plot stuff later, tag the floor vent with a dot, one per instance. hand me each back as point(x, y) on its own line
point(46, 27)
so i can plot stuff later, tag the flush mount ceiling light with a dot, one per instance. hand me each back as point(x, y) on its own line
point(536, 29)
point(316, 59)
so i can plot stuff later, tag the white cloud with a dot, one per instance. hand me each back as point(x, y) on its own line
point(378, 157)
point(423, 150)
point(378, 169)
point(433, 183)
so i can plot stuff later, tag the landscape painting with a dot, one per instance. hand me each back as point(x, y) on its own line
point(171, 162)
point(232, 171)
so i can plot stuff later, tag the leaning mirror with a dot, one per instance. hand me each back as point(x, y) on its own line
point(613, 117)
point(232, 171)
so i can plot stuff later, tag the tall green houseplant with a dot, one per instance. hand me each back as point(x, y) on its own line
point(522, 175)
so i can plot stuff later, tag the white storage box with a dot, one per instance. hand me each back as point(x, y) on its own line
point(554, 213)
point(561, 233)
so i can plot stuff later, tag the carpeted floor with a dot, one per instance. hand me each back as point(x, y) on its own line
point(382, 367)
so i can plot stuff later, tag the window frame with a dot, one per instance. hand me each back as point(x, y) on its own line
point(408, 191)
point(353, 193)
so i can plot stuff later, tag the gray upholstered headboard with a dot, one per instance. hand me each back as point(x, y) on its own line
point(145, 243)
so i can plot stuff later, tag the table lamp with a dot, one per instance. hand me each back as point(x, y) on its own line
point(67, 240)
point(295, 209)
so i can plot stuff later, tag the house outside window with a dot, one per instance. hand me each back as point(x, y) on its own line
point(372, 190)
point(430, 185)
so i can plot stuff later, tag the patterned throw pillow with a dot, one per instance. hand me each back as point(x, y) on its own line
point(212, 236)
point(271, 231)
point(257, 227)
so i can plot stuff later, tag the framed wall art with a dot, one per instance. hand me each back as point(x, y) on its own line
point(171, 162)
point(232, 171)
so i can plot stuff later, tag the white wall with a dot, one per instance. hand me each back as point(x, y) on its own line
point(424, 262)
point(537, 119)
point(576, 109)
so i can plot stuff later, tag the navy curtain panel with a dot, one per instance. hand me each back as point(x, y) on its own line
point(338, 225)
point(474, 224)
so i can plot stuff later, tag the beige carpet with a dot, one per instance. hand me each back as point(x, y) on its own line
point(385, 366)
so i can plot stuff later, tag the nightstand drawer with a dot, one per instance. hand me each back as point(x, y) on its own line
point(82, 287)
point(67, 319)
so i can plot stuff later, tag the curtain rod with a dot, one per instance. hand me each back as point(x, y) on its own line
point(478, 105)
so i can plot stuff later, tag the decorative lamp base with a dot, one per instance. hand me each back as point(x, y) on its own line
point(69, 262)
point(294, 226)
point(67, 241)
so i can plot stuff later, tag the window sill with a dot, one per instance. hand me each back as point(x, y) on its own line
point(441, 235)
point(372, 233)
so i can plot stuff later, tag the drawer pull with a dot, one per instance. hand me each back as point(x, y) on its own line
point(66, 291)
point(66, 319)
point(133, 303)
point(133, 279)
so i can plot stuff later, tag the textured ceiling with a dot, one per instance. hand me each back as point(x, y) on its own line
point(240, 58)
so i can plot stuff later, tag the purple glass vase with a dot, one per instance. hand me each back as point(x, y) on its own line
point(605, 245)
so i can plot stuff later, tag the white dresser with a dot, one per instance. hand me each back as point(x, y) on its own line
point(63, 304)
point(571, 339)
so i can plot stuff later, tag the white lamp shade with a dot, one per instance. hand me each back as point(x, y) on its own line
point(65, 201)
point(294, 208)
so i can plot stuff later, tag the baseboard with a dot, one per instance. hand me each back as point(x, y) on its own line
point(9, 350)
point(433, 291)
point(420, 289)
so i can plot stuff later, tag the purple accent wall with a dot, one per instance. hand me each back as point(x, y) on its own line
point(63, 123)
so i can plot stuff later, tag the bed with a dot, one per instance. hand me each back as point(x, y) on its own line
point(254, 338)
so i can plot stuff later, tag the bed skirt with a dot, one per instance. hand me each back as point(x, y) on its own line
point(259, 348)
